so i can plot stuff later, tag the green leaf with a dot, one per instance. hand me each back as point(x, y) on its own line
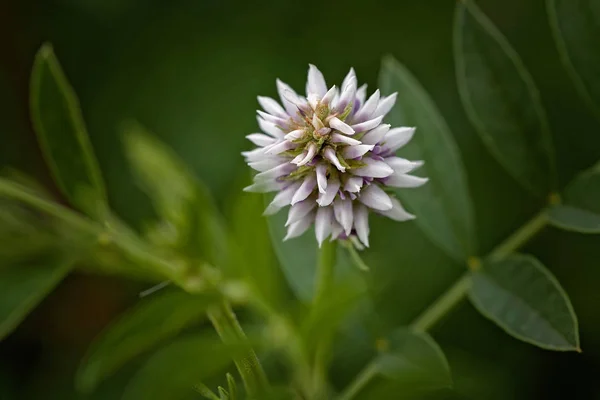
point(414, 362)
point(232, 386)
point(173, 370)
point(502, 101)
point(60, 128)
point(183, 203)
point(520, 295)
point(581, 209)
point(576, 27)
point(154, 319)
point(23, 286)
point(443, 206)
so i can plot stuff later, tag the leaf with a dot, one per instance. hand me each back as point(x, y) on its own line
point(581, 209)
point(502, 101)
point(443, 206)
point(23, 286)
point(151, 321)
point(414, 362)
point(173, 370)
point(576, 27)
point(61, 131)
point(520, 295)
point(179, 198)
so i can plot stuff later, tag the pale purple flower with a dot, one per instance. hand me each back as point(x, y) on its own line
point(330, 158)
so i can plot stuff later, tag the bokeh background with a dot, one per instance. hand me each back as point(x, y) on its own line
point(190, 71)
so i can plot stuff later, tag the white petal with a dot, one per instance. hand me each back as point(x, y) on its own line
point(300, 210)
point(349, 77)
point(310, 154)
point(376, 135)
point(290, 108)
point(264, 186)
point(350, 152)
point(267, 163)
point(260, 139)
point(298, 228)
point(367, 125)
point(254, 155)
point(361, 94)
point(397, 138)
point(322, 177)
point(405, 181)
point(368, 108)
point(343, 213)
point(316, 122)
point(281, 147)
point(397, 213)
point(329, 155)
point(385, 105)
point(282, 199)
point(336, 230)
point(329, 96)
point(274, 173)
point(361, 223)
point(373, 169)
point(341, 126)
point(307, 187)
point(402, 165)
point(323, 223)
point(272, 107)
point(373, 196)
point(347, 96)
point(294, 135)
point(299, 157)
point(354, 184)
point(339, 138)
point(333, 185)
point(316, 82)
point(270, 128)
point(271, 118)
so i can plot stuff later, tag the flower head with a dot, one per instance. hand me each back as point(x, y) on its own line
point(329, 156)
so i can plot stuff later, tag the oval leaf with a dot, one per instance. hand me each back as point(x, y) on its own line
point(581, 212)
point(61, 131)
point(151, 321)
point(576, 27)
point(521, 296)
point(414, 362)
point(443, 206)
point(24, 285)
point(173, 370)
point(502, 101)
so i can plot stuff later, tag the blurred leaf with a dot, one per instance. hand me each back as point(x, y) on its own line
point(581, 212)
point(443, 205)
point(223, 395)
point(298, 258)
point(60, 128)
point(173, 370)
point(520, 295)
point(576, 28)
point(179, 198)
point(501, 100)
point(141, 328)
point(232, 386)
point(24, 285)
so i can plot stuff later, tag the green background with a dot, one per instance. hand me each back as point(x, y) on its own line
point(190, 72)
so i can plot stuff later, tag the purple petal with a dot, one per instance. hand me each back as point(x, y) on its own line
point(267, 163)
point(298, 228)
point(385, 105)
point(272, 107)
point(323, 223)
point(373, 196)
point(339, 138)
point(264, 186)
point(316, 82)
point(354, 184)
point(281, 170)
point(329, 155)
point(300, 210)
point(405, 181)
point(270, 128)
point(373, 169)
point(307, 187)
point(361, 223)
point(368, 108)
point(329, 96)
point(341, 126)
point(350, 152)
point(290, 108)
point(343, 213)
point(282, 199)
point(321, 177)
point(310, 154)
point(333, 185)
point(376, 135)
point(260, 139)
point(280, 147)
point(402, 165)
point(397, 212)
point(398, 137)
point(367, 125)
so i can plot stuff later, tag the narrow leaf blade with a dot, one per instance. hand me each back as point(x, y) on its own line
point(143, 327)
point(520, 295)
point(23, 286)
point(576, 27)
point(60, 128)
point(502, 101)
point(443, 206)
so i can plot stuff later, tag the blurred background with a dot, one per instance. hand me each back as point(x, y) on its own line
point(190, 71)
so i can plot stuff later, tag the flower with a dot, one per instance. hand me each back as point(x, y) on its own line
point(330, 157)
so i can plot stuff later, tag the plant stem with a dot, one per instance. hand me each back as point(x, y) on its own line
point(229, 329)
point(361, 380)
point(454, 295)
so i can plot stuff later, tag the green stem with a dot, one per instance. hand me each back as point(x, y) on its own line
point(360, 264)
point(229, 329)
point(361, 380)
point(454, 295)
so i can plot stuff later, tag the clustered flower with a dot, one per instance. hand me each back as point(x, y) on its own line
point(330, 157)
